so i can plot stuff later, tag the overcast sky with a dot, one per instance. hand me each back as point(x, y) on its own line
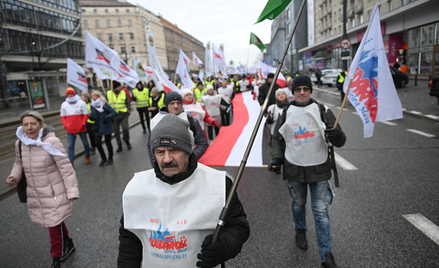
point(219, 21)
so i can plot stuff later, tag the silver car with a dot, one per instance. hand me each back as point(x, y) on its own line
point(330, 77)
point(326, 71)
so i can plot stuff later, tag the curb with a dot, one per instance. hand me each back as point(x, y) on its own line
point(429, 117)
point(12, 190)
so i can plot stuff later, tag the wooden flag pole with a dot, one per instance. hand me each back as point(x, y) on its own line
point(102, 86)
point(343, 103)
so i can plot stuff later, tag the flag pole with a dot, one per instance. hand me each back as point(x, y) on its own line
point(343, 103)
point(225, 210)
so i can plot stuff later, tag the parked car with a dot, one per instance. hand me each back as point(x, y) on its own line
point(400, 79)
point(330, 77)
point(434, 87)
point(314, 78)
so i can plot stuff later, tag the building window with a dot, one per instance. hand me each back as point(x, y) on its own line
point(389, 5)
point(95, 11)
point(353, 23)
point(402, 2)
point(361, 18)
point(120, 36)
point(85, 23)
point(110, 37)
point(133, 49)
point(97, 23)
point(108, 23)
point(123, 50)
point(128, 11)
point(83, 10)
point(288, 14)
point(335, 15)
point(99, 36)
point(130, 23)
point(131, 36)
point(117, 10)
point(106, 10)
point(119, 23)
point(369, 14)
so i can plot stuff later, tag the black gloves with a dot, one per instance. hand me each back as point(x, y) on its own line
point(333, 134)
point(275, 165)
point(212, 254)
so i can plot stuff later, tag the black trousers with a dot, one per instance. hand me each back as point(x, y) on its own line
point(91, 136)
point(144, 111)
point(210, 131)
point(98, 142)
point(225, 118)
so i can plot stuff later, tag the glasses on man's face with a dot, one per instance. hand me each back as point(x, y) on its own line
point(299, 89)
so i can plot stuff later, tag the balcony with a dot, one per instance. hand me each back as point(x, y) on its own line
point(359, 8)
point(351, 13)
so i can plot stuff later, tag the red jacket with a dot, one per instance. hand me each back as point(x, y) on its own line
point(73, 118)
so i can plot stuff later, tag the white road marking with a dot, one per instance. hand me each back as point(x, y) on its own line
point(424, 225)
point(355, 113)
point(432, 116)
point(388, 123)
point(415, 112)
point(421, 133)
point(343, 163)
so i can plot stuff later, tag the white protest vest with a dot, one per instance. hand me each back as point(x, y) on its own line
point(158, 117)
point(196, 111)
point(304, 134)
point(226, 93)
point(173, 220)
point(212, 104)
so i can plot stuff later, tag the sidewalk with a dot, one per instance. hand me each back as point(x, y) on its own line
point(6, 166)
point(415, 100)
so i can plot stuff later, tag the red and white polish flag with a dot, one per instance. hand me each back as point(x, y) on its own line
point(229, 146)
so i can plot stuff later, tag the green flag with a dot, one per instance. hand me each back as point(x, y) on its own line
point(254, 40)
point(272, 9)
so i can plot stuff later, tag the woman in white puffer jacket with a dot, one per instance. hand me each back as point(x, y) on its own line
point(51, 181)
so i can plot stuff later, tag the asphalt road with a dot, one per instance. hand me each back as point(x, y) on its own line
point(396, 175)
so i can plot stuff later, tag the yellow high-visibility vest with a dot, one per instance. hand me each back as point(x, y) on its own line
point(89, 112)
point(199, 94)
point(161, 101)
point(142, 97)
point(341, 78)
point(118, 102)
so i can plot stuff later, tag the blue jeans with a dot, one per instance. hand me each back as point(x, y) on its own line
point(71, 138)
point(321, 198)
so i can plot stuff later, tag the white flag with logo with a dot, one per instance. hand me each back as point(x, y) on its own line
point(140, 70)
point(372, 92)
point(184, 58)
point(98, 55)
point(167, 85)
point(208, 60)
point(186, 81)
point(102, 73)
point(201, 76)
point(76, 75)
point(218, 57)
point(149, 71)
point(196, 60)
point(155, 64)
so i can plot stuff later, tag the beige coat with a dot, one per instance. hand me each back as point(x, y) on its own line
point(51, 181)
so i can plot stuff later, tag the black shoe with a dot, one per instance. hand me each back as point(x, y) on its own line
point(68, 249)
point(301, 239)
point(330, 262)
point(102, 163)
point(128, 145)
point(119, 149)
point(144, 131)
point(56, 263)
point(109, 162)
point(92, 151)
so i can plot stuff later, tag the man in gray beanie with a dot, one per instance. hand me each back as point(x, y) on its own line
point(174, 105)
point(301, 139)
point(172, 209)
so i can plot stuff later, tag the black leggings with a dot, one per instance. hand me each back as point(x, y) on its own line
point(210, 131)
point(225, 118)
point(144, 111)
point(98, 142)
point(91, 136)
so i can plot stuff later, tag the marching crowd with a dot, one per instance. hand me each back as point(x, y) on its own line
point(181, 125)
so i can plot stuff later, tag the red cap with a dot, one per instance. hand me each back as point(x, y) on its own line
point(70, 90)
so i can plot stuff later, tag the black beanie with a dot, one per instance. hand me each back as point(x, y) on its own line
point(302, 80)
point(172, 96)
point(115, 84)
point(270, 75)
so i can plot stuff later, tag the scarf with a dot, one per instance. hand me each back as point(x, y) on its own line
point(281, 105)
point(46, 145)
point(73, 100)
point(97, 104)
